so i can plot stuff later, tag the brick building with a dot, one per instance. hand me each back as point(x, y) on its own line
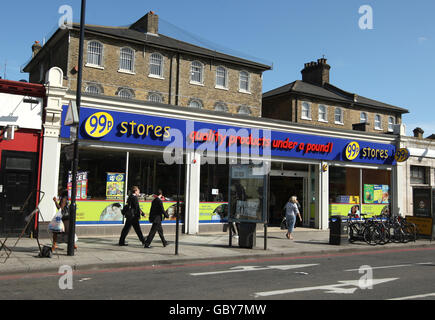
point(138, 62)
point(314, 101)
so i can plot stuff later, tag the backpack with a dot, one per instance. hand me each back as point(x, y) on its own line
point(127, 212)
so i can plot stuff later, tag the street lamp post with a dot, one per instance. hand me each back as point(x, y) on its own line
point(73, 207)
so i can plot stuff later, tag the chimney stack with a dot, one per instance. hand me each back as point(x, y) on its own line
point(35, 48)
point(316, 72)
point(149, 23)
point(418, 133)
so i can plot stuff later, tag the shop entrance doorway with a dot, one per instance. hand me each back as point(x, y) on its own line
point(283, 185)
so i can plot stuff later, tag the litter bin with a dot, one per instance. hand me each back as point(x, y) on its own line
point(338, 230)
point(247, 234)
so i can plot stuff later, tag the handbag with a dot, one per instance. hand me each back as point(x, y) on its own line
point(283, 225)
point(56, 224)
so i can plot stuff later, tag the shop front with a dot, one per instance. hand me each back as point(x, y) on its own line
point(147, 145)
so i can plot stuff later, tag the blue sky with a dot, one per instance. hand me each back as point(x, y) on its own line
point(394, 62)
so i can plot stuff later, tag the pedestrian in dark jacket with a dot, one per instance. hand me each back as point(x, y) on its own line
point(133, 202)
point(157, 212)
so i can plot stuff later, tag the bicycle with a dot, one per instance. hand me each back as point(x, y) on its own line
point(364, 230)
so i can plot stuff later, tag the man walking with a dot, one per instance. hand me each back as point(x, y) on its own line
point(156, 213)
point(132, 220)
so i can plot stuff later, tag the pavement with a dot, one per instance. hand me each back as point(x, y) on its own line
point(104, 252)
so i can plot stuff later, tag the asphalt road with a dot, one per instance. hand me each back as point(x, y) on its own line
point(407, 274)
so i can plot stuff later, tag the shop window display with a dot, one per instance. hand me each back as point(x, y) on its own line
point(103, 178)
point(366, 190)
point(213, 206)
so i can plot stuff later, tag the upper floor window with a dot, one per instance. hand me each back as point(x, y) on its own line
point(363, 117)
point(220, 106)
point(322, 113)
point(244, 110)
point(418, 175)
point(244, 84)
point(155, 97)
point(378, 125)
point(221, 77)
point(93, 89)
point(306, 111)
point(95, 53)
point(197, 72)
point(126, 60)
point(194, 103)
point(391, 124)
point(338, 115)
point(125, 93)
point(156, 65)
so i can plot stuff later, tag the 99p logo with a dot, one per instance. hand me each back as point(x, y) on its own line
point(352, 150)
point(99, 124)
point(401, 155)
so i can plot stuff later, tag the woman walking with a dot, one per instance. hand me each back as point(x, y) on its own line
point(291, 210)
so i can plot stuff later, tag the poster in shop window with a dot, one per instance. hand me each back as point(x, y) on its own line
point(376, 193)
point(115, 186)
point(82, 185)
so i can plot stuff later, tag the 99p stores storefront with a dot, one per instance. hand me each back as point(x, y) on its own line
point(144, 144)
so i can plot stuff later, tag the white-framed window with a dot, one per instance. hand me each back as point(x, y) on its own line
point(125, 93)
point(95, 53)
point(155, 97)
point(363, 117)
point(323, 116)
point(378, 122)
point(391, 124)
point(197, 72)
point(306, 111)
point(126, 60)
point(220, 106)
point(338, 115)
point(221, 77)
point(93, 89)
point(156, 65)
point(244, 110)
point(244, 81)
point(194, 103)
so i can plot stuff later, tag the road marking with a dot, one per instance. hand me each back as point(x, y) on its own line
point(254, 268)
point(415, 297)
point(395, 266)
point(331, 288)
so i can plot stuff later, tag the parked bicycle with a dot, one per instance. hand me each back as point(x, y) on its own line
point(361, 229)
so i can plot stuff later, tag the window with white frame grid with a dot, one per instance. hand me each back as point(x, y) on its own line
point(195, 104)
point(322, 113)
point(126, 60)
point(220, 106)
point(244, 81)
point(338, 115)
point(221, 77)
point(244, 110)
point(363, 117)
point(196, 72)
point(95, 53)
point(391, 124)
point(306, 111)
point(156, 65)
point(125, 94)
point(93, 89)
point(378, 124)
point(155, 97)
